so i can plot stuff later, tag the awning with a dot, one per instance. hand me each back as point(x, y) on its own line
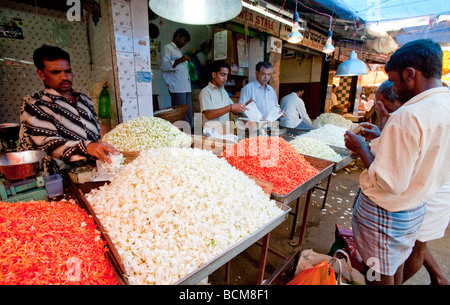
point(370, 11)
point(439, 33)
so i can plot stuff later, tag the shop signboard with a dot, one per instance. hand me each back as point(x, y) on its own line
point(311, 39)
point(258, 21)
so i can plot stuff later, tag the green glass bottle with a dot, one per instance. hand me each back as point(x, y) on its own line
point(104, 103)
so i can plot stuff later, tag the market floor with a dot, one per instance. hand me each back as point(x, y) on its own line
point(319, 235)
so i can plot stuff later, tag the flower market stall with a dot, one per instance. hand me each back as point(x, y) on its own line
point(173, 215)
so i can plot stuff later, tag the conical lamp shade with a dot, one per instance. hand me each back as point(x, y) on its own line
point(295, 37)
point(196, 11)
point(329, 48)
point(352, 67)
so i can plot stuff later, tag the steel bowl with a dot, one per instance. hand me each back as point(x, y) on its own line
point(21, 165)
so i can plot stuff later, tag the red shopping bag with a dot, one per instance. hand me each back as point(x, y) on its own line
point(320, 274)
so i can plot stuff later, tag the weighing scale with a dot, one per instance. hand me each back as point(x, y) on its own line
point(23, 180)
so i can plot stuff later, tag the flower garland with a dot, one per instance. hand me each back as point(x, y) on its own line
point(48, 243)
point(328, 134)
point(146, 132)
point(312, 147)
point(271, 159)
point(171, 210)
point(332, 118)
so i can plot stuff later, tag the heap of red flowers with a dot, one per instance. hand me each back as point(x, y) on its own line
point(47, 243)
point(271, 159)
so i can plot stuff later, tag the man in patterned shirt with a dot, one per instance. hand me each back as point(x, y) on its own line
point(59, 120)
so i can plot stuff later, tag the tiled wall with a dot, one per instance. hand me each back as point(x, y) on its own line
point(345, 85)
point(18, 75)
point(102, 58)
point(132, 43)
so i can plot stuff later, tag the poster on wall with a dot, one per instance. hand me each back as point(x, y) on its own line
point(155, 48)
point(220, 45)
point(242, 50)
point(274, 45)
point(7, 31)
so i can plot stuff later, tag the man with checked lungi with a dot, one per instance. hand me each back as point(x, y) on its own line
point(404, 166)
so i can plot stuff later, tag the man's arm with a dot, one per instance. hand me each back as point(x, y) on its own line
point(40, 127)
point(356, 144)
point(180, 60)
point(237, 108)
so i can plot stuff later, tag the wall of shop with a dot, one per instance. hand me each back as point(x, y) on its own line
point(299, 68)
point(132, 61)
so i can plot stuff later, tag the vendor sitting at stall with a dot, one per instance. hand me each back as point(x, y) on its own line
point(59, 120)
point(215, 103)
point(296, 116)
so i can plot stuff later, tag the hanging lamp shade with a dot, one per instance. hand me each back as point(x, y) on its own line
point(295, 36)
point(196, 11)
point(329, 48)
point(352, 67)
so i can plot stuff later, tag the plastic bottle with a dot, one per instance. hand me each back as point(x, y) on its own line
point(104, 103)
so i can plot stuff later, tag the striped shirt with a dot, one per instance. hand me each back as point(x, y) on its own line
point(60, 127)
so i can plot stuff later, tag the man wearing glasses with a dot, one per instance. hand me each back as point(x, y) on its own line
point(262, 93)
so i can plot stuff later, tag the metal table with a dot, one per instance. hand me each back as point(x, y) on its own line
point(325, 169)
point(211, 266)
point(288, 134)
point(196, 276)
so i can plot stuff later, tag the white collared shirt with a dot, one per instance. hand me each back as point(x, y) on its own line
point(412, 155)
point(265, 99)
point(176, 78)
point(213, 97)
point(295, 110)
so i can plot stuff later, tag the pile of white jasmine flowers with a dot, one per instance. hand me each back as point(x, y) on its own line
point(332, 118)
point(171, 210)
point(146, 132)
point(312, 147)
point(329, 134)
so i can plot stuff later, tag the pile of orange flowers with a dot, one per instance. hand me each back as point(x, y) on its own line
point(47, 243)
point(271, 159)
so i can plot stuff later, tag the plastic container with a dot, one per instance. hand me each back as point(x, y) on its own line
point(104, 103)
point(54, 185)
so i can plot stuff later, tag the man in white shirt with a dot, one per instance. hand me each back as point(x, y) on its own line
point(175, 72)
point(261, 92)
point(215, 104)
point(296, 116)
point(410, 163)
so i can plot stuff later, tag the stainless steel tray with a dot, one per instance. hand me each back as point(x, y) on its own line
point(211, 266)
point(346, 160)
point(288, 134)
point(325, 169)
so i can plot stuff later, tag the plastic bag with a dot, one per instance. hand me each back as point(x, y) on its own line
point(321, 274)
point(252, 112)
point(192, 71)
point(344, 240)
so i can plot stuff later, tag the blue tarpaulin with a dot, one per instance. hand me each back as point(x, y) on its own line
point(439, 34)
point(382, 10)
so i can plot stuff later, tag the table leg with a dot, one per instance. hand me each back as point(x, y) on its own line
point(262, 261)
point(294, 222)
point(326, 192)
point(227, 273)
point(305, 218)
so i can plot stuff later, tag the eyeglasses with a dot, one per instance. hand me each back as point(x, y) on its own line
point(265, 74)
